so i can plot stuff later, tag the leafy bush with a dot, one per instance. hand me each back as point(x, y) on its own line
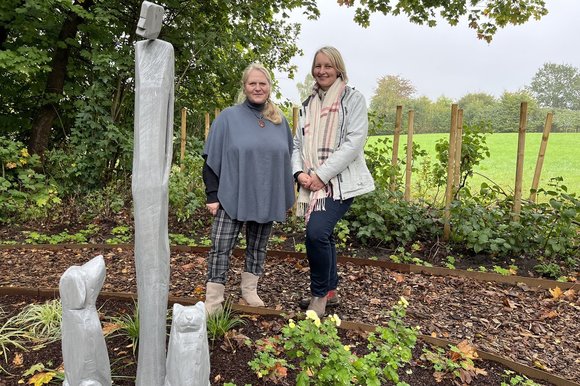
point(473, 150)
point(186, 188)
point(486, 224)
point(322, 359)
point(379, 217)
point(24, 193)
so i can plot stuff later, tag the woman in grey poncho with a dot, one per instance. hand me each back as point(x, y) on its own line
point(248, 179)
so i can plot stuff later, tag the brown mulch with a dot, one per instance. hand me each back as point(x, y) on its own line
point(532, 326)
point(228, 356)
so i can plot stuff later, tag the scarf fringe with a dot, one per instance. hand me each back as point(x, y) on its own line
point(309, 202)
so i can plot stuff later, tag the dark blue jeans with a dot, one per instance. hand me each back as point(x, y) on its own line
point(321, 248)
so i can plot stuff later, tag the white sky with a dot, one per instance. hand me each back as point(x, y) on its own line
point(442, 60)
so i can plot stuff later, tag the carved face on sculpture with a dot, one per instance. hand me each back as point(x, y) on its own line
point(150, 20)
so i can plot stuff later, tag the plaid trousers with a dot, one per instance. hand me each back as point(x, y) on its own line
point(224, 234)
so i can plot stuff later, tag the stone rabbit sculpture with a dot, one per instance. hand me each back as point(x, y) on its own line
point(86, 361)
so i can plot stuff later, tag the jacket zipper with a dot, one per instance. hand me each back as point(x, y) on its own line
point(344, 114)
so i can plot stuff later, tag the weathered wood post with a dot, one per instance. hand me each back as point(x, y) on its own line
point(295, 118)
point(520, 161)
point(450, 170)
point(216, 112)
point(207, 125)
point(183, 138)
point(396, 137)
point(458, 145)
point(541, 154)
point(409, 164)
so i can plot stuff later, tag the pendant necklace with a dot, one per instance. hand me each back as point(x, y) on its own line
point(261, 122)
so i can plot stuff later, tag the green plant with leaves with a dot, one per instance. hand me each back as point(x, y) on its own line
point(80, 237)
point(25, 193)
point(41, 321)
point(186, 187)
point(474, 149)
point(41, 374)
point(551, 270)
point(450, 262)
point(402, 256)
point(220, 322)
point(128, 326)
point(122, 234)
point(322, 359)
point(486, 224)
point(300, 247)
point(384, 218)
point(456, 362)
point(108, 201)
point(11, 337)
point(510, 378)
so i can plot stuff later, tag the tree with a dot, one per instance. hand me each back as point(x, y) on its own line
point(305, 89)
point(557, 86)
point(506, 116)
point(477, 108)
point(484, 16)
point(391, 90)
point(78, 76)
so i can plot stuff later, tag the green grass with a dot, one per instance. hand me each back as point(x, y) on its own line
point(562, 159)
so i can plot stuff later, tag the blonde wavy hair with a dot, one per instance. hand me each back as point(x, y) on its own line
point(271, 111)
point(335, 59)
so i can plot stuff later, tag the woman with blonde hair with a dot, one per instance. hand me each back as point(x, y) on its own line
point(248, 179)
point(329, 166)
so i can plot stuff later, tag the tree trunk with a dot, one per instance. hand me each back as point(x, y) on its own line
point(42, 124)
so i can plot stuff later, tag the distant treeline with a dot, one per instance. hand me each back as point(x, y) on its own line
point(498, 115)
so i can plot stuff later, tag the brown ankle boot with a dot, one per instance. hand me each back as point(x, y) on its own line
point(318, 305)
point(332, 300)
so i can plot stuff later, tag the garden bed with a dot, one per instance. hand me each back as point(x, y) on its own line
point(533, 326)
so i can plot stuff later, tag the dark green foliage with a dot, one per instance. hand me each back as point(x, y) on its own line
point(90, 138)
point(186, 187)
point(485, 224)
point(380, 217)
point(24, 193)
point(473, 150)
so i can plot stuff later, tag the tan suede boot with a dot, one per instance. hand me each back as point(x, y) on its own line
point(250, 290)
point(318, 305)
point(214, 297)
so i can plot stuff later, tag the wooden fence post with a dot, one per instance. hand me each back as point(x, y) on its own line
point(541, 154)
point(396, 136)
point(408, 171)
point(450, 174)
point(216, 112)
point(458, 144)
point(183, 137)
point(207, 125)
point(295, 118)
point(520, 161)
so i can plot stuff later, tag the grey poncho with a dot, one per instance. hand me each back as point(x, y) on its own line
point(252, 164)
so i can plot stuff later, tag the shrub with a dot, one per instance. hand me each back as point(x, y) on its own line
point(379, 217)
point(322, 359)
point(24, 193)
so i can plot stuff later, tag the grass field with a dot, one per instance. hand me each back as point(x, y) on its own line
point(562, 159)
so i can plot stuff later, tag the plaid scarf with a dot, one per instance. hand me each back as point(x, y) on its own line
point(318, 143)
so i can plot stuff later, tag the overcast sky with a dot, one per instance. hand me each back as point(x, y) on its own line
point(443, 60)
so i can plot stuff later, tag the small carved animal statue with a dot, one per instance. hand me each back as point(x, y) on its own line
point(86, 361)
point(188, 351)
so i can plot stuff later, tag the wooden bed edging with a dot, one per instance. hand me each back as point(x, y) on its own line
point(399, 267)
point(529, 372)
